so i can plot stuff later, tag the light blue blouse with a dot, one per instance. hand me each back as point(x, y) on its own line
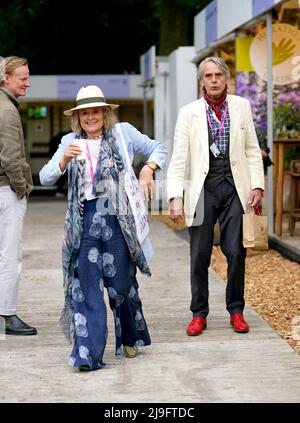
point(136, 142)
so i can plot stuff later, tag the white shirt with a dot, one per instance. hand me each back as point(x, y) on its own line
point(94, 149)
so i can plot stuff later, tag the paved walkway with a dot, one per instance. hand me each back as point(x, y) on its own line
point(218, 366)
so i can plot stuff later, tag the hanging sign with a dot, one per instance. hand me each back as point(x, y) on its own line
point(286, 47)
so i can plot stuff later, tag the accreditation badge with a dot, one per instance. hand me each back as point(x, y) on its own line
point(215, 149)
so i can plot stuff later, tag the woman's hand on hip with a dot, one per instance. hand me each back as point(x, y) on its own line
point(146, 183)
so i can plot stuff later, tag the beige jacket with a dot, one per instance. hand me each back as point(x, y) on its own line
point(14, 169)
point(191, 147)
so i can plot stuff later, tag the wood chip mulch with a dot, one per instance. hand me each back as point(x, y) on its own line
point(272, 287)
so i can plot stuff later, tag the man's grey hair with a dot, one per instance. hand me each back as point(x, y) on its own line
point(218, 61)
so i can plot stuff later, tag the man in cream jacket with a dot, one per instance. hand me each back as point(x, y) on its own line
point(216, 136)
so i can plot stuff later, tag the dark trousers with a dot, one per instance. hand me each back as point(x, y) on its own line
point(222, 204)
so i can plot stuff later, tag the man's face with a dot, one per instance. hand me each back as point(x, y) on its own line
point(213, 80)
point(18, 82)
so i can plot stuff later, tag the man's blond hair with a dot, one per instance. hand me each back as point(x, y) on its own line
point(9, 64)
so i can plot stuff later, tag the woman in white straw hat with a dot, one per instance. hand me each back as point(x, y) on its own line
point(106, 238)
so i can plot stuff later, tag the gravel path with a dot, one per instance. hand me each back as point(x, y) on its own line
point(272, 289)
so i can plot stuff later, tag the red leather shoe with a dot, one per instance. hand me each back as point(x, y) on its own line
point(238, 323)
point(196, 326)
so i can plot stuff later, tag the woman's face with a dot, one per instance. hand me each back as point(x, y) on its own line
point(92, 120)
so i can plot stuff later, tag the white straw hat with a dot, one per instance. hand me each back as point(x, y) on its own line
point(90, 96)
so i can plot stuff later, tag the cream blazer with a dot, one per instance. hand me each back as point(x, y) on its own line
point(189, 163)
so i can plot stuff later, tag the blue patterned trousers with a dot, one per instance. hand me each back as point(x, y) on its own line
point(104, 262)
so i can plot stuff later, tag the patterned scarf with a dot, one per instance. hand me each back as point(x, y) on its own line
point(216, 103)
point(108, 183)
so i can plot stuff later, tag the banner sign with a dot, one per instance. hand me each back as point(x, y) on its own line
point(147, 63)
point(211, 30)
point(113, 86)
point(259, 6)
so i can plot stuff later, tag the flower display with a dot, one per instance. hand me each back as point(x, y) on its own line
point(286, 106)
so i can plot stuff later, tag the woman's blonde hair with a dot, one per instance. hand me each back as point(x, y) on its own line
point(10, 64)
point(109, 119)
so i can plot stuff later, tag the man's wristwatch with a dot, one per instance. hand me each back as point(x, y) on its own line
point(153, 166)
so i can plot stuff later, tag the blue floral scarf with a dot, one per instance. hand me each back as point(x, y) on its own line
point(108, 183)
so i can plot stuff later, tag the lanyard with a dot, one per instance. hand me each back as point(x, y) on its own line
point(90, 162)
point(216, 140)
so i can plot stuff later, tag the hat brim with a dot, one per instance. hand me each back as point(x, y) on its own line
point(69, 112)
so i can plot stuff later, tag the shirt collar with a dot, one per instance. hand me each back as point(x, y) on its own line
point(10, 95)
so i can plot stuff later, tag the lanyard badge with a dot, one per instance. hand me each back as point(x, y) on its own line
point(214, 147)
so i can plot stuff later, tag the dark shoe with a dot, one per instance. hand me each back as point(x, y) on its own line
point(84, 368)
point(16, 326)
point(238, 323)
point(196, 326)
point(130, 352)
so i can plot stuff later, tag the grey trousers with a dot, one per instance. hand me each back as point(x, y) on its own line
point(12, 213)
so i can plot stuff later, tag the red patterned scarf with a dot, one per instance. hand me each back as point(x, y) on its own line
point(216, 103)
